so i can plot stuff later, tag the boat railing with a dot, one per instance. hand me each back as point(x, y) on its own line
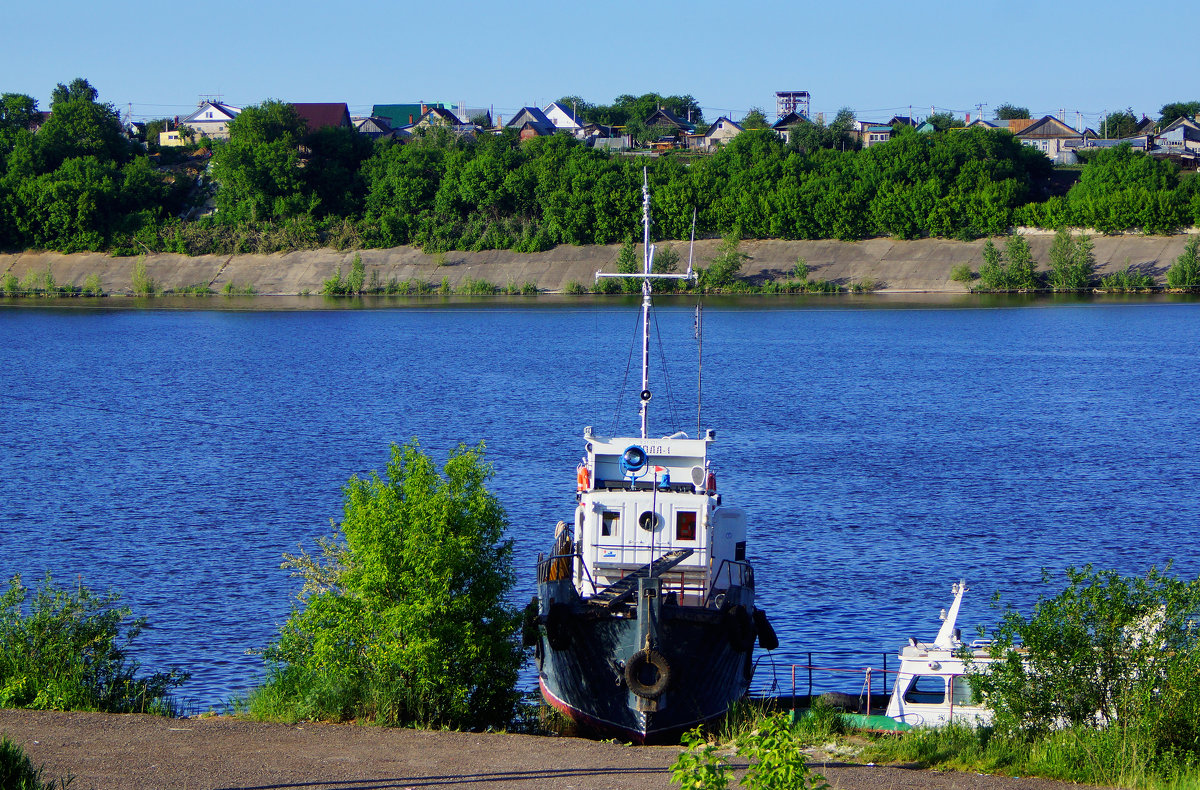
point(561, 566)
point(875, 680)
point(736, 573)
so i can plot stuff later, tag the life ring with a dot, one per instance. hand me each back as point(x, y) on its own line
point(558, 626)
point(739, 628)
point(648, 663)
point(767, 639)
point(582, 482)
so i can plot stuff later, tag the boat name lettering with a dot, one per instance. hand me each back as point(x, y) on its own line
point(658, 449)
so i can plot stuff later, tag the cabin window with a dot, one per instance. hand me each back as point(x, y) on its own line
point(961, 692)
point(609, 521)
point(685, 525)
point(926, 690)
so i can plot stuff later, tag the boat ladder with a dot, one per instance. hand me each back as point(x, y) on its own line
point(626, 586)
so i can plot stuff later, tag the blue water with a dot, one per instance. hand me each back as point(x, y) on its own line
point(175, 455)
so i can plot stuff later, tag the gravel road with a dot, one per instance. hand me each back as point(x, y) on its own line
point(122, 752)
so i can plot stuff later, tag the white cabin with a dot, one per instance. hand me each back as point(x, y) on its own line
point(932, 686)
point(642, 498)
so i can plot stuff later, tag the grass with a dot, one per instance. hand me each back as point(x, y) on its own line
point(1109, 757)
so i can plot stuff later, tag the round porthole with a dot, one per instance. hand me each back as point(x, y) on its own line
point(649, 520)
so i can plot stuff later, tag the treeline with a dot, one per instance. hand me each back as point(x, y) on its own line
point(79, 184)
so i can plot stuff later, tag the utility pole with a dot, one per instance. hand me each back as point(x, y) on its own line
point(980, 107)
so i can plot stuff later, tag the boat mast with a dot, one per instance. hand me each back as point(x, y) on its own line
point(647, 264)
point(646, 275)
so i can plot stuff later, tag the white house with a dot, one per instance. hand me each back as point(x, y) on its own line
point(564, 118)
point(211, 119)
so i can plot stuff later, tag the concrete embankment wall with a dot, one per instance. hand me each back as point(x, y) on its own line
point(892, 265)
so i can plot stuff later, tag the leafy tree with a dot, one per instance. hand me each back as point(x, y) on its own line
point(1106, 651)
point(81, 126)
point(628, 262)
point(1173, 111)
point(807, 136)
point(725, 267)
point(993, 273)
point(1122, 123)
point(1022, 274)
point(404, 617)
point(17, 114)
point(756, 118)
point(1011, 112)
point(945, 120)
point(1185, 271)
point(258, 168)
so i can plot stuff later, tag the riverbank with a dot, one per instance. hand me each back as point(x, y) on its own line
point(891, 265)
point(129, 752)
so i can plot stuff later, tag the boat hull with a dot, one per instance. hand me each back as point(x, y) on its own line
point(582, 671)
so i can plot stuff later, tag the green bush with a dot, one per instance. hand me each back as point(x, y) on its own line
point(1184, 272)
point(962, 274)
point(403, 616)
point(70, 651)
point(575, 288)
point(140, 282)
point(1106, 652)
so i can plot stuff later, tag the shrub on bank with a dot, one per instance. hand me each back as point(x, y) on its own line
point(403, 617)
point(69, 650)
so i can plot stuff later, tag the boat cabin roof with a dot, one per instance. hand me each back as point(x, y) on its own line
point(682, 461)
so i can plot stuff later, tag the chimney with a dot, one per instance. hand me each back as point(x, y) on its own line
point(410, 119)
point(968, 119)
point(423, 108)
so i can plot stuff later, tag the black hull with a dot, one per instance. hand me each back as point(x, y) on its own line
point(582, 671)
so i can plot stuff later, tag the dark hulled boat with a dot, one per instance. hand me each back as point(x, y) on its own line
point(645, 617)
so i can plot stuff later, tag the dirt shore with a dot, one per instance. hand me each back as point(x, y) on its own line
point(123, 752)
point(889, 264)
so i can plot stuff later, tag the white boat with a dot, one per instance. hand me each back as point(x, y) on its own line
point(933, 685)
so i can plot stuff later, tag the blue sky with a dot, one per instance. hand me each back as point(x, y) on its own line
point(879, 58)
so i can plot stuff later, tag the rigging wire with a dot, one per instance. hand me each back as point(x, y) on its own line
point(662, 355)
point(625, 381)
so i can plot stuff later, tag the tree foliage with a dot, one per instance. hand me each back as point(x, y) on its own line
point(78, 185)
point(1011, 112)
point(1173, 111)
point(404, 618)
point(1107, 651)
point(1122, 123)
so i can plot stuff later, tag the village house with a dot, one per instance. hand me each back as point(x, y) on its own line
point(1053, 138)
point(211, 119)
point(783, 127)
point(323, 115)
point(531, 122)
point(720, 132)
point(563, 118)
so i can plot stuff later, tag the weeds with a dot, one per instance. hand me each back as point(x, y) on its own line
point(140, 282)
point(774, 749)
point(17, 771)
point(70, 652)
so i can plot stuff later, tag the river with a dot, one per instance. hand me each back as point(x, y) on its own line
point(883, 447)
